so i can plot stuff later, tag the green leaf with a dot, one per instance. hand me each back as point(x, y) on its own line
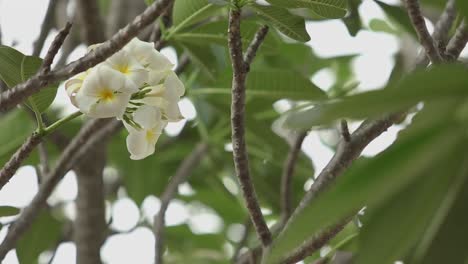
point(16, 68)
point(8, 211)
point(203, 57)
point(219, 2)
point(445, 238)
point(149, 2)
point(16, 126)
point(353, 19)
point(398, 15)
point(216, 33)
point(44, 233)
point(405, 217)
point(188, 12)
point(273, 84)
point(291, 25)
point(323, 8)
point(380, 25)
point(463, 7)
point(360, 186)
point(425, 85)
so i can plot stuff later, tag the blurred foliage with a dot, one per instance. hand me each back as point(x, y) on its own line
point(413, 192)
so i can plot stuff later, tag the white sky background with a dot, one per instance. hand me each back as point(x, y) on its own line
point(20, 21)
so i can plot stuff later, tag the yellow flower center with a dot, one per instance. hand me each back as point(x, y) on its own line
point(123, 69)
point(106, 95)
point(150, 135)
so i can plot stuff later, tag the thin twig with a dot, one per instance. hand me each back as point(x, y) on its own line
point(47, 25)
point(345, 131)
point(458, 42)
point(54, 48)
point(20, 92)
point(91, 133)
point(241, 162)
point(441, 30)
point(184, 61)
point(419, 25)
point(183, 172)
point(251, 51)
point(287, 175)
point(92, 25)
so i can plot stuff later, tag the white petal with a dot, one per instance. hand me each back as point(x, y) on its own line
point(111, 108)
point(147, 116)
point(159, 62)
point(138, 146)
point(156, 77)
point(172, 112)
point(84, 102)
point(173, 83)
point(126, 64)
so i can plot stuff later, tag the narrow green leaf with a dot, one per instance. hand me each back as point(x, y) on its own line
point(445, 241)
point(8, 211)
point(291, 25)
point(323, 8)
point(16, 68)
point(361, 186)
point(405, 217)
point(425, 85)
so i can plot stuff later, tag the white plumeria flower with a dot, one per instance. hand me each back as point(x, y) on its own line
point(141, 141)
point(147, 55)
point(104, 93)
point(166, 96)
point(129, 66)
point(73, 85)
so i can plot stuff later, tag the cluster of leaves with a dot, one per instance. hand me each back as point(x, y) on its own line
point(413, 192)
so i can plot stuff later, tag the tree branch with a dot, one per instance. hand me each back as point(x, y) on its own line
point(441, 30)
point(251, 51)
point(54, 48)
point(458, 42)
point(91, 21)
point(241, 162)
point(419, 25)
point(15, 161)
point(17, 94)
point(90, 227)
point(89, 135)
point(183, 172)
point(47, 25)
point(286, 178)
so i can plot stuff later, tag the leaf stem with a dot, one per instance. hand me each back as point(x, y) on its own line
point(60, 122)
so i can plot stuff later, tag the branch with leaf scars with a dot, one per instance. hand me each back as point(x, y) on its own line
point(240, 156)
point(288, 173)
point(414, 12)
point(458, 42)
point(46, 26)
point(91, 133)
point(183, 172)
point(20, 92)
point(25, 150)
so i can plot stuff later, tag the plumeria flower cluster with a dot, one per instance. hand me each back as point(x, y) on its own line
point(135, 85)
